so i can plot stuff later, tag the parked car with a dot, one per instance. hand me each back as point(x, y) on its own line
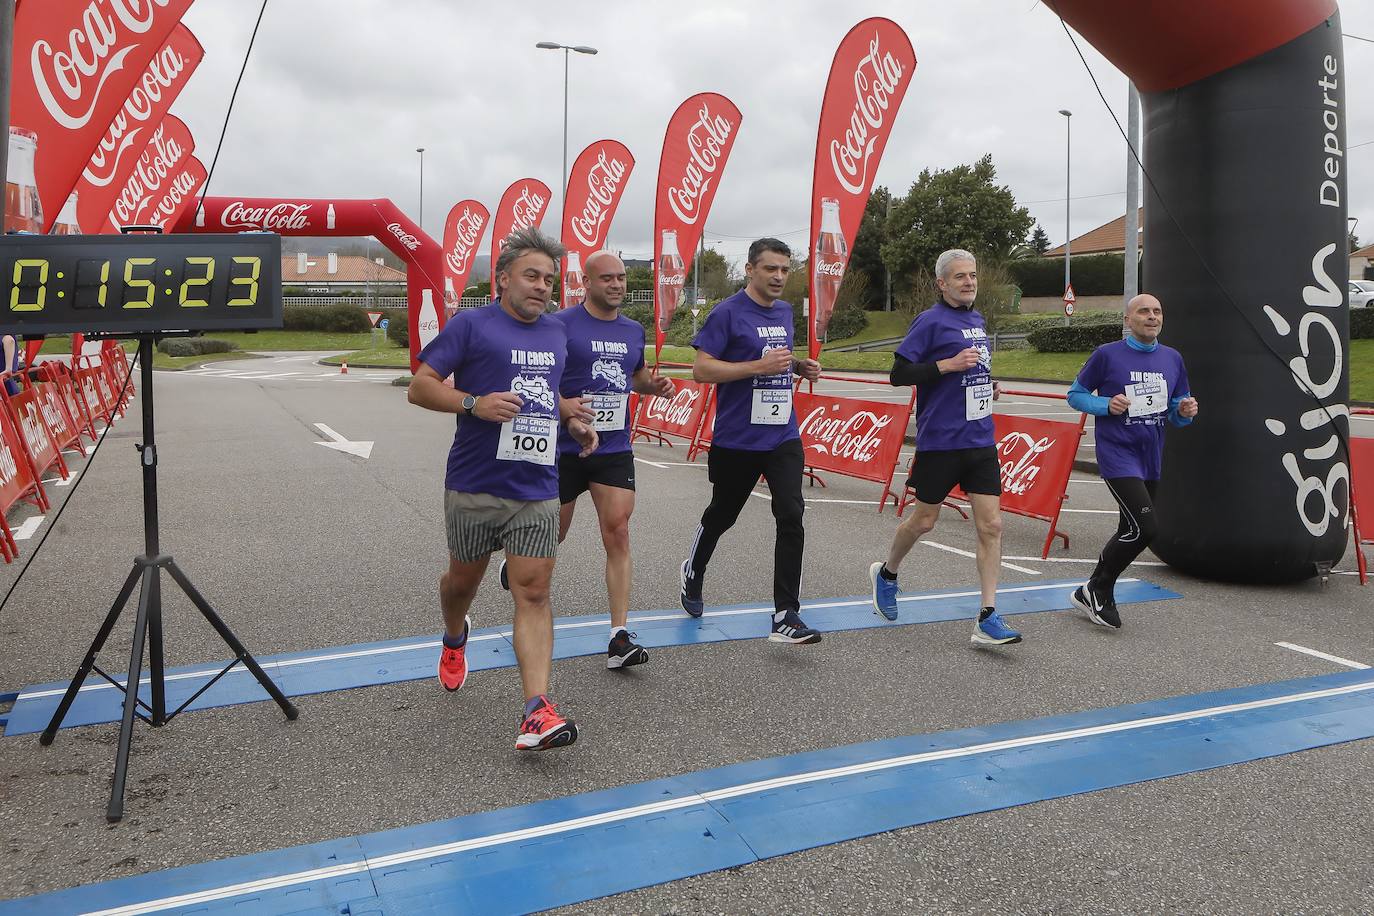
point(1361, 293)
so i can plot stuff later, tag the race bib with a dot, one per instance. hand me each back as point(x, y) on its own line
point(772, 406)
point(609, 407)
point(528, 438)
point(977, 401)
point(1147, 398)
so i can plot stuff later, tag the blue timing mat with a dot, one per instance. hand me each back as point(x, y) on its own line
point(366, 665)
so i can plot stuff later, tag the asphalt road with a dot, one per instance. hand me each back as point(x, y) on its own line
point(303, 547)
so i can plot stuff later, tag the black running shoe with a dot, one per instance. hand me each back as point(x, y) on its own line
point(791, 629)
point(624, 651)
point(692, 602)
point(505, 579)
point(1100, 610)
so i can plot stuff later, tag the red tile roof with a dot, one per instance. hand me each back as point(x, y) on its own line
point(1110, 237)
point(1365, 252)
point(351, 269)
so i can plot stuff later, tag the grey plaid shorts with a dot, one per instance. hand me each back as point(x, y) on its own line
point(480, 524)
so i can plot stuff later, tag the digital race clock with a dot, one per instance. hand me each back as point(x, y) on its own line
point(139, 284)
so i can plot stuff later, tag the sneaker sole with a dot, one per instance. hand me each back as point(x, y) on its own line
point(454, 689)
point(562, 736)
point(794, 640)
point(504, 577)
point(636, 656)
point(982, 640)
point(873, 575)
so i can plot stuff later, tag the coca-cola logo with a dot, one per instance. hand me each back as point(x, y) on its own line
point(676, 412)
point(159, 78)
point(162, 157)
point(706, 142)
point(51, 413)
point(603, 184)
point(406, 239)
point(33, 430)
point(467, 231)
point(1019, 453)
point(8, 469)
point(277, 217)
point(856, 437)
point(876, 77)
point(94, 52)
point(527, 209)
point(181, 188)
point(829, 268)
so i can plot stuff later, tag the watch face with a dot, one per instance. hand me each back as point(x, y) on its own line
point(469, 402)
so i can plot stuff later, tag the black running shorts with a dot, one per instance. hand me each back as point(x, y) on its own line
point(937, 473)
point(576, 475)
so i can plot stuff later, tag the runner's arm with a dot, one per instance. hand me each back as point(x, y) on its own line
point(428, 390)
point(645, 382)
point(706, 368)
point(1176, 418)
point(905, 372)
point(1084, 401)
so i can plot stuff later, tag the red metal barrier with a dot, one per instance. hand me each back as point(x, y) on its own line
point(17, 482)
point(678, 417)
point(853, 437)
point(1037, 458)
point(26, 413)
point(1362, 498)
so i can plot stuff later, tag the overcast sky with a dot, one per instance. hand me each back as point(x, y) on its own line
point(339, 93)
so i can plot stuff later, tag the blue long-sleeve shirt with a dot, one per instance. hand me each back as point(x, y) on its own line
point(1082, 399)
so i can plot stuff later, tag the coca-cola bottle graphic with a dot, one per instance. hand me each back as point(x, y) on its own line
point(200, 213)
point(66, 220)
point(671, 275)
point(574, 287)
point(329, 217)
point(429, 317)
point(23, 209)
point(827, 272)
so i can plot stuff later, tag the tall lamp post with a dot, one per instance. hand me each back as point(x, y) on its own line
point(580, 49)
point(1068, 121)
point(421, 151)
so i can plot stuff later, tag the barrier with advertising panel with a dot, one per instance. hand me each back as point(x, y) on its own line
point(91, 387)
point(17, 482)
point(853, 437)
point(55, 411)
point(678, 417)
point(1037, 458)
point(1362, 499)
point(26, 413)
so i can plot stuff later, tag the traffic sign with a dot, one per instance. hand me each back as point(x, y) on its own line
point(1069, 299)
point(374, 317)
point(384, 323)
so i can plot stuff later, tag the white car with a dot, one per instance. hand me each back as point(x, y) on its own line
point(1361, 293)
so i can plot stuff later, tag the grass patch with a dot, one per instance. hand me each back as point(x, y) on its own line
point(176, 363)
point(1362, 370)
point(881, 325)
point(387, 358)
point(296, 340)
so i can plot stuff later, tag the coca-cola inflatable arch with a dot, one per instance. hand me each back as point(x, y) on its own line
point(325, 217)
point(1251, 270)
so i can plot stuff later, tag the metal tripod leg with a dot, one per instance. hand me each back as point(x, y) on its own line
point(115, 811)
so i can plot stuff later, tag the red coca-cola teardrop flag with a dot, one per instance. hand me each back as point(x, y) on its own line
point(463, 231)
point(871, 71)
point(113, 160)
point(595, 186)
point(75, 64)
point(176, 196)
point(158, 165)
point(696, 145)
point(521, 207)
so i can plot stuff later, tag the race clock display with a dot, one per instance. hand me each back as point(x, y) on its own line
point(139, 284)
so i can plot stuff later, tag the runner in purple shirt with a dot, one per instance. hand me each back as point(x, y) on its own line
point(605, 364)
point(745, 349)
point(501, 490)
point(1140, 384)
point(945, 355)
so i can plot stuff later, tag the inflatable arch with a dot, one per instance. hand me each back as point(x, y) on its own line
point(1245, 244)
point(378, 218)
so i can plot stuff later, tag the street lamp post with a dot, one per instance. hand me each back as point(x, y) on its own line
point(1068, 120)
point(421, 151)
point(580, 49)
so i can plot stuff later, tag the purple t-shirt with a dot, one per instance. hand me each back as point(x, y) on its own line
point(954, 411)
point(1133, 446)
point(754, 414)
point(603, 357)
point(487, 350)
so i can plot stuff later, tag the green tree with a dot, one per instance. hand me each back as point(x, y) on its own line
point(962, 207)
point(866, 258)
point(637, 278)
point(1355, 242)
point(716, 276)
point(1040, 240)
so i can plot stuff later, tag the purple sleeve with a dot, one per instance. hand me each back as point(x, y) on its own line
point(445, 352)
point(639, 363)
point(1090, 376)
point(917, 341)
point(714, 335)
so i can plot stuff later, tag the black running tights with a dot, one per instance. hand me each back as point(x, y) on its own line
point(1135, 500)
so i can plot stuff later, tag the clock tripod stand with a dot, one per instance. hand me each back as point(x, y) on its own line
point(147, 570)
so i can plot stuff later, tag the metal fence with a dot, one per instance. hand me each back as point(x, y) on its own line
point(376, 302)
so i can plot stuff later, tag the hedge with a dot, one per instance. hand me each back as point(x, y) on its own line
point(1362, 323)
point(341, 319)
point(193, 346)
point(397, 326)
point(1073, 339)
point(1092, 275)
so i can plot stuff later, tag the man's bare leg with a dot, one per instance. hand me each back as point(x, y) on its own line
point(533, 630)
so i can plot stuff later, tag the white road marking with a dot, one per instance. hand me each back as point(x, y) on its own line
point(654, 464)
point(1313, 652)
point(28, 528)
point(971, 555)
point(362, 449)
point(1082, 560)
point(1092, 511)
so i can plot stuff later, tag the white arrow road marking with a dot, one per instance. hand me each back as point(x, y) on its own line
point(28, 528)
point(340, 444)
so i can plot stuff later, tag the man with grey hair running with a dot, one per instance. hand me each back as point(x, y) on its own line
point(945, 355)
point(501, 488)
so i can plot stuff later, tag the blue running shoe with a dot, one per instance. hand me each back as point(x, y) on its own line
point(791, 629)
point(992, 631)
point(691, 596)
point(884, 592)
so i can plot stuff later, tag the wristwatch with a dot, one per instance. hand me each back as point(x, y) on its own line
point(469, 403)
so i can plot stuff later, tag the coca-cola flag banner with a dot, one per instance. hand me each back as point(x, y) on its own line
point(463, 231)
point(75, 63)
point(161, 161)
point(176, 195)
point(595, 185)
point(868, 78)
point(113, 160)
point(521, 207)
point(696, 146)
